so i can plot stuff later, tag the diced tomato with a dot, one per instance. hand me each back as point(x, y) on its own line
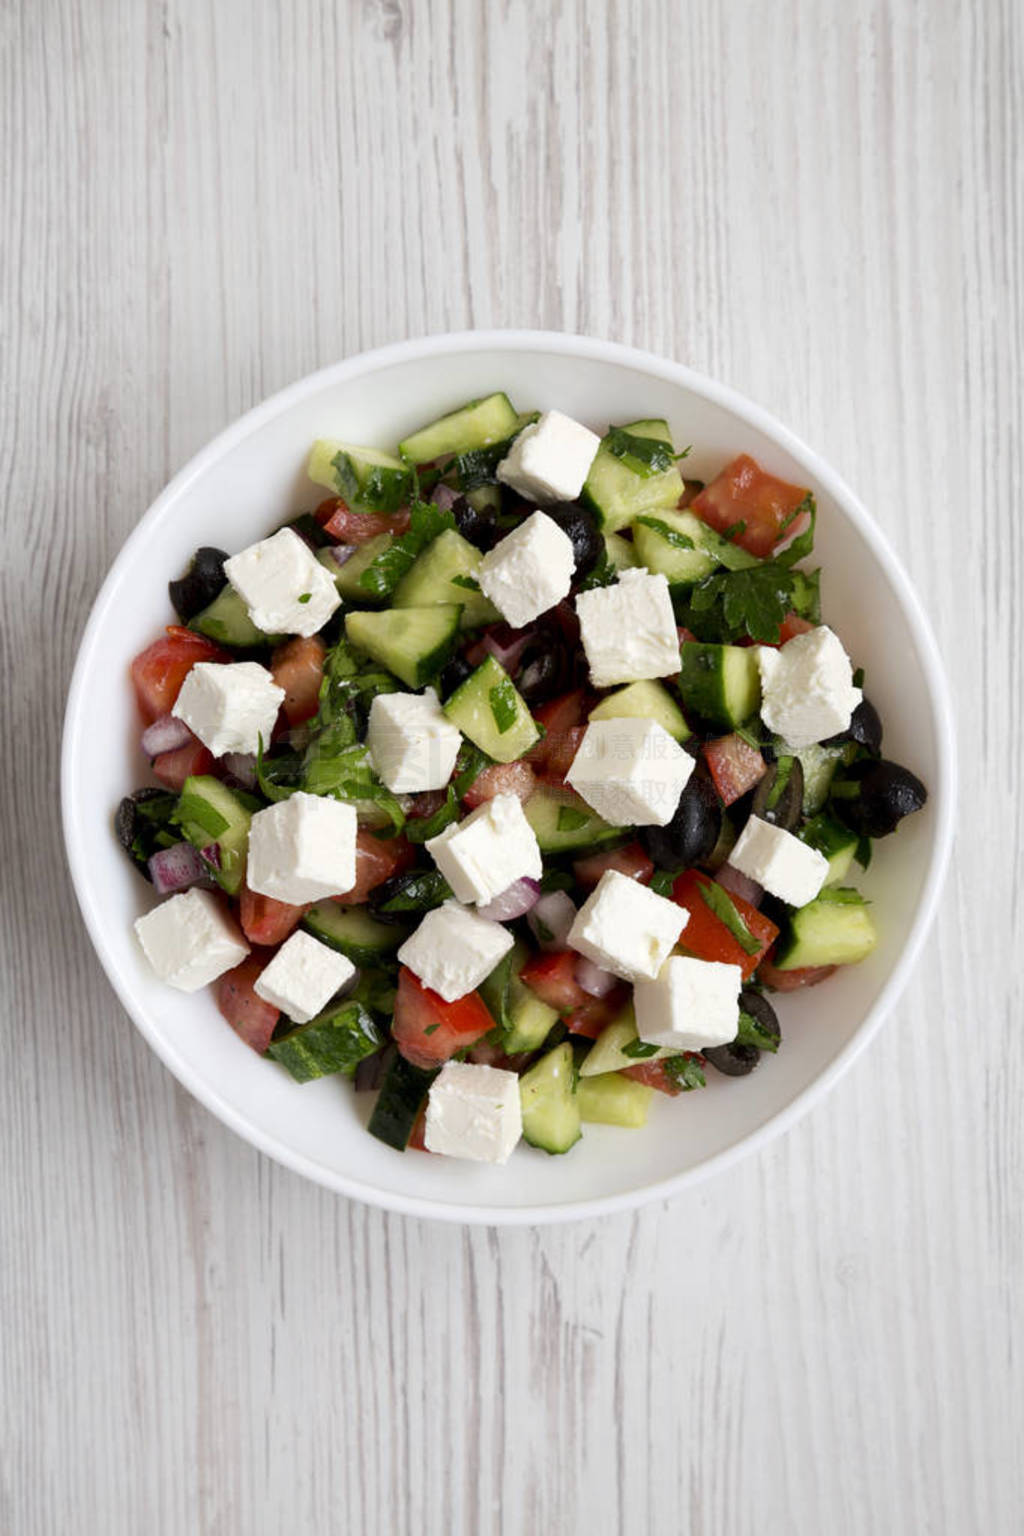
point(265, 920)
point(298, 668)
point(516, 779)
point(792, 625)
point(744, 493)
point(597, 1013)
point(552, 977)
point(250, 1016)
point(377, 859)
point(159, 671)
point(348, 527)
point(630, 860)
point(653, 1075)
point(418, 1134)
point(735, 766)
point(792, 981)
point(707, 937)
point(564, 720)
point(684, 633)
point(171, 769)
point(427, 1030)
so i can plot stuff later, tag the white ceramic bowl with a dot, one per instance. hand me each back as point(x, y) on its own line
point(235, 491)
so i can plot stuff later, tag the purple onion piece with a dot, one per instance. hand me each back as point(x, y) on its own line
point(165, 735)
point(594, 981)
point(551, 918)
point(339, 553)
point(211, 853)
point(177, 868)
point(514, 901)
point(444, 497)
point(739, 884)
point(240, 768)
point(506, 651)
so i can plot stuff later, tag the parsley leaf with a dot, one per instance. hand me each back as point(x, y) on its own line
point(753, 601)
point(804, 542)
point(383, 489)
point(469, 765)
point(504, 705)
point(602, 574)
point(750, 1032)
point(673, 538)
point(645, 456)
point(639, 1049)
point(685, 1072)
point(420, 828)
point(426, 521)
point(662, 881)
point(570, 819)
point(717, 900)
point(279, 774)
point(342, 769)
point(862, 852)
point(469, 582)
point(734, 530)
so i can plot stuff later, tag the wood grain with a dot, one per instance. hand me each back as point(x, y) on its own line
point(821, 204)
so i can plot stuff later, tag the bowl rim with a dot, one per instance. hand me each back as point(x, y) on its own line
point(942, 792)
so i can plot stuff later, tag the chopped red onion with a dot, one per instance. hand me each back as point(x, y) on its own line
point(594, 981)
point(165, 735)
point(740, 885)
point(240, 767)
point(177, 868)
point(551, 918)
point(339, 553)
point(443, 496)
point(502, 642)
point(514, 901)
point(211, 853)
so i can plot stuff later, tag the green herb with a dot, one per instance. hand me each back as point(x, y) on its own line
point(754, 601)
point(469, 582)
point(685, 1072)
point(672, 536)
point(804, 542)
point(503, 705)
point(193, 811)
point(662, 881)
point(639, 1049)
point(751, 735)
point(469, 765)
point(602, 574)
point(344, 772)
point(734, 530)
point(304, 597)
point(858, 678)
point(383, 490)
point(349, 686)
point(717, 900)
point(751, 1032)
point(645, 456)
point(783, 773)
point(419, 893)
point(805, 599)
point(862, 853)
point(384, 573)
point(480, 465)
point(150, 820)
point(280, 775)
point(556, 880)
point(419, 829)
point(570, 819)
point(431, 1028)
point(843, 896)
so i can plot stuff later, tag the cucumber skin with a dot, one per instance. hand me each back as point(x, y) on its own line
point(335, 1041)
point(719, 682)
point(376, 634)
point(227, 621)
point(326, 921)
point(429, 582)
point(223, 800)
point(402, 1095)
point(826, 933)
point(477, 424)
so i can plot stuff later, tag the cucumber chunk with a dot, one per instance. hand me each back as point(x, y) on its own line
point(835, 841)
point(227, 621)
point(720, 682)
point(646, 701)
point(608, 1053)
point(352, 931)
point(367, 479)
point(563, 823)
point(335, 1041)
point(490, 710)
point(819, 764)
point(475, 425)
point(209, 812)
point(403, 1094)
point(413, 643)
point(617, 494)
point(836, 928)
point(669, 543)
point(550, 1103)
point(621, 553)
point(446, 573)
point(346, 577)
point(614, 1100)
point(525, 1020)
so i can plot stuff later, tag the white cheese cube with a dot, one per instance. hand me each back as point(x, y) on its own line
point(630, 771)
point(807, 691)
point(189, 940)
point(303, 977)
point(229, 705)
point(550, 459)
point(785, 866)
point(453, 949)
point(412, 742)
point(303, 849)
point(474, 1112)
point(691, 1004)
point(285, 588)
point(626, 928)
point(629, 630)
point(482, 855)
point(528, 571)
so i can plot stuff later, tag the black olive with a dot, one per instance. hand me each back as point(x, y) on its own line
point(129, 825)
point(587, 543)
point(761, 1011)
point(541, 677)
point(194, 591)
point(693, 831)
point(733, 1060)
point(865, 728)
point(550, 665)
point(454, 674)
point(477, 524)
point(781, 805)
point(887, 793)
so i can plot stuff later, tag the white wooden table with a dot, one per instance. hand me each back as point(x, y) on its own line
point(819, 203)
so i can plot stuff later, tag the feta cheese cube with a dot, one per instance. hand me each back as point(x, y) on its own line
point(785, 866)
point(412, 742)
point(453, 949)
point(189, 940)
point(474, 1112)
point(550, 459)
point(626, 928)
point(229, 705)
point(629, 630)
point(482, 855)
point(302, 977)
point(630, 771)
point(528, 571)
point(303, 849)
point(807, 691)
point(690, 1004)
point(285, 588)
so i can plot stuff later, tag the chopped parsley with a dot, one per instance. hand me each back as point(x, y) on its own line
point(645, 456)
point(673, 538)
point(504, 705)
point(751, 1032)
point(304, 597)
point(638, 1050)
point(570, 819)
point(383, 574)
point(718, 901)
point(685, 1072)
point(470, 583)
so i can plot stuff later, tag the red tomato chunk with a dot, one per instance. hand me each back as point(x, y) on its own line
point(377, 859)
point(251, 1017)
point(298, 668)
point(744, 493)
point(429, 1031)
point(735, 766)
point(265, 920)
point(159, 671)
point(707, 937)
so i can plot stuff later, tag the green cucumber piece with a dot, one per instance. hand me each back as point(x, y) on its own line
point(819, 764)
point(209, 812)
point(563, 823)
point(335, 1041)
point(550, 1103)
point(403, 1094)
point(645, 701)
point(227, 621)
point(367, 479)
point(485, 498)
point(352, 931)
point(620, 553)
point(524, 1020)
point(720, 682)
point(413, 643)
point(608, 1052)
point(446, 572)
point(616, 494)
point(669, 543)
point(836, 842)
point(475, 425)
point(346, 577)
point(490, 710)
point(614, 1100)
point(836, 928)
